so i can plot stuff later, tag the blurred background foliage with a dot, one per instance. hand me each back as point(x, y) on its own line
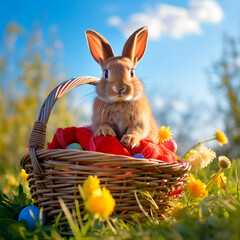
point(225, 82)
point(39, 69)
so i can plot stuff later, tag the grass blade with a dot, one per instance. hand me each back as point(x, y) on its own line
point(74, 226)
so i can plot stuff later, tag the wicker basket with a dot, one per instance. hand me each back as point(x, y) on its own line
point(57, 173)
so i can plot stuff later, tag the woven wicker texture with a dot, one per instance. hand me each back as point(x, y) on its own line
point(57, 173)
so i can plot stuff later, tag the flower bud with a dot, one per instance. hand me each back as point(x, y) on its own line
point(224, 162)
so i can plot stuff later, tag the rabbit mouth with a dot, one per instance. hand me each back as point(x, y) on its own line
point(121, 97)
point(121, 93)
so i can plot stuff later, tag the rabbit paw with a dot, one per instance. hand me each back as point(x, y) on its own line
point(130, 140)
point(105, 131)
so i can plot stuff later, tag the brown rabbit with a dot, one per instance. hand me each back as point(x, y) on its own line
point(121, 109)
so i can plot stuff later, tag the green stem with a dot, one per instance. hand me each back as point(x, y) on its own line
point(196, 145)
point(196, 172)
point(188, 200)
point(210, 183)
point(82, 193)
point(231, 197)
point(237, 180)
point(141, 207)
point(111, 226)
point(79, 217)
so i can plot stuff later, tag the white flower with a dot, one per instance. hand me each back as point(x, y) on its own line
point(200, 157)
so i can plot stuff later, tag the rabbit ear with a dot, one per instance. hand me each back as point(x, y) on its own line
point(136, 44)
point(99, 46)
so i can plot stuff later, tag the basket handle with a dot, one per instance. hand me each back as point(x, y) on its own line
point(38, 136)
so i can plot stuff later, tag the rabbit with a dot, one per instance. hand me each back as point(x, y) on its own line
point(121, 109)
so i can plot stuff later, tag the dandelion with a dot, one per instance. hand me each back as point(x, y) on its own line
point(91, 185)
point(224, 162)
point(196, 187)
point(24, 175)
point(101, 205)
point(221, 138)
point(200, 157)
point(164, 134)
point(221, 181)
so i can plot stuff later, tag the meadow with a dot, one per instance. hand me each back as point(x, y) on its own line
point(208, 209)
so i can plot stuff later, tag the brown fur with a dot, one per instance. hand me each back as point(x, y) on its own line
point(124, 113)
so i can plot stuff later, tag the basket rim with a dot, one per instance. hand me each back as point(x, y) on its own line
point(70, 155)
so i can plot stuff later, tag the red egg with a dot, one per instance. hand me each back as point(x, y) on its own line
point(171, 145)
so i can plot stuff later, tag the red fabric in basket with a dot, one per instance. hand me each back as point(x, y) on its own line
point(89, 142)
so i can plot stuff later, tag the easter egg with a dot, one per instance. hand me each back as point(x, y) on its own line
point(171, 145)
point(138, 155)
point(32, 216)
point(76, 146)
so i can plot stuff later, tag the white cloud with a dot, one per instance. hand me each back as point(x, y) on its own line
point(178, 105)
point(206, 11)
point(164, 19)
point(159, 103)
point(115, 21)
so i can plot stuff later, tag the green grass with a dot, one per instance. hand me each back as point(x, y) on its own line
point(214, 217)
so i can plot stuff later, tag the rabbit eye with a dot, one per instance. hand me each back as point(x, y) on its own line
point(106, 74)
point(132, 73)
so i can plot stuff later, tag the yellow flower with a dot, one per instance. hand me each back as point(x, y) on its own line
point(164, 134)
point(190, 154)
point(91, 185)
point(177, 210)
point(224, 162)
point(11, 180)
point(24, 175)
point(201, 157)
point(196, 187)
point(221, 180)
point(190, 178)
point(221, 138)
point(101, 205)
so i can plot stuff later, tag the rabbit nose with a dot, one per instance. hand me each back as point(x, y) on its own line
point(119, 90)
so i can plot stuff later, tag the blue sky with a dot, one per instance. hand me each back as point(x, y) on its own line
point(185, 37)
